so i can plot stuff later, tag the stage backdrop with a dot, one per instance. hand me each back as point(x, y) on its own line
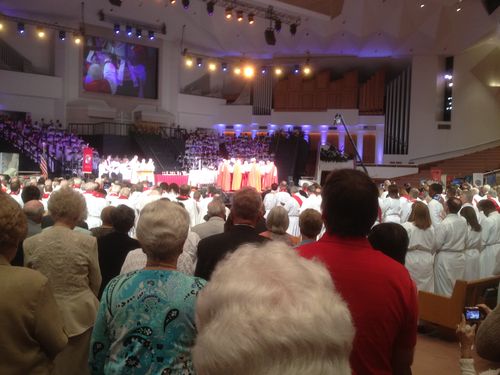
point(118, 68)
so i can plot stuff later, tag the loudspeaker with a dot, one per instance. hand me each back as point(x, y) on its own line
point(491, 5)
point(270, 37)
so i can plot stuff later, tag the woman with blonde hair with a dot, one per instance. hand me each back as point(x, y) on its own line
point(422, 247)
point(473, 243)
point(69, 260)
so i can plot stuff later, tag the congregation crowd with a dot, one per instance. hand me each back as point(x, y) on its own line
point(107, 277)
point(36, 137)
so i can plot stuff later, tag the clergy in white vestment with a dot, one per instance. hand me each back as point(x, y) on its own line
point(451, 237)
point(391, 206)
point(436, 209)
point(96, 202)
point(292, 206)
point(467, 197)
point(473, 245)
point(282, 195)
point(314, 199)
point(490, 235)
point(271, 200)
point(189, 204)
point(421, 248)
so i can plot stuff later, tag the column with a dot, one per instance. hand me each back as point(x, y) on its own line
point(359, 144)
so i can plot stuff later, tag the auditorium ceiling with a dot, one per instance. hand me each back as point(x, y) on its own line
point(362, 28)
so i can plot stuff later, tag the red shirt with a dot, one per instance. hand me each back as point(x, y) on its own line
point(381, 297)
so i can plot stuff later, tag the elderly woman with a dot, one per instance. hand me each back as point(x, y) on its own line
point(31, 325)
point(277, 223)
point(69, 260)
point(145, 322)
point(255, 316)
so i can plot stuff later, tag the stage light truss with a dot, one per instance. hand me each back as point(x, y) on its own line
point(269, 13)
point(42, 24)
point(115, 20)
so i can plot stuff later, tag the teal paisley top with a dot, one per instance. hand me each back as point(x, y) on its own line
point(145, 324)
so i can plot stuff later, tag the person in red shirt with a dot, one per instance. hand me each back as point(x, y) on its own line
point(380, 294)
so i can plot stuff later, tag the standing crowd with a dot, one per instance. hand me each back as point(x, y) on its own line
point(103, 277)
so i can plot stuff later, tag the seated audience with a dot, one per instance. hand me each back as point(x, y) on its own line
point(379, 292)
point(216, 216)
point(146, 318)
point(310, 224)
point(69, 260)
point(422, 247)
point(31, 324)
point(114, 246)
point(255, 316)
point(106, 226)
point(245, 213)
point(31, 193)
point(391, 239)
point(277, 223)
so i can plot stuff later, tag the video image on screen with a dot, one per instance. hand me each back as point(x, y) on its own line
point(118, 68)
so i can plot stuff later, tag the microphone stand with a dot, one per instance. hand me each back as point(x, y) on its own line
point(339, 120)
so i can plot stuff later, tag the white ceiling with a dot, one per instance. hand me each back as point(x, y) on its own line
point(365, 28)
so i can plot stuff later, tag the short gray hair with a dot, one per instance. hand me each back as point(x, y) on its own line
point(255, 316)
point(162, 230)
point(67, 204)
point(277, 220)
point(216, 208)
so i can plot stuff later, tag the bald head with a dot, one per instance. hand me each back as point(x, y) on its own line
point(34, 210)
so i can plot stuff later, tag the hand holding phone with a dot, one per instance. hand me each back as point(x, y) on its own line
point(473, 314)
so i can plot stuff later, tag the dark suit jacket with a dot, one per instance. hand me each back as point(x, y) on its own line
point(214, 248)
point(113, 248)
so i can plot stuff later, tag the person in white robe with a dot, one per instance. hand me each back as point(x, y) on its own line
point(421, 248)
point(189, 204)
point(490, 235)
point(292, 206)
point(282, 195)
point(451, 237)
point(473, 245)
point(314, 199)
point(436, 209)
point(391, 206)
point(271, 200)
point(467, 198)
point(96, 202)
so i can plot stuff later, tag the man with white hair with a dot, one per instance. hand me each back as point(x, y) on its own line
point(252, 317)
point(270, 199)
point(216, 213)
point(292, 206)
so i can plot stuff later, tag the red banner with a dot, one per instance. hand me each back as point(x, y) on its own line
point(87, 160)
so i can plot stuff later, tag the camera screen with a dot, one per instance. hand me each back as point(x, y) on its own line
point(472, 315)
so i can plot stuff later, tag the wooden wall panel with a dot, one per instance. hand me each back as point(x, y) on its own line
point(348, 147)
point(369, 148)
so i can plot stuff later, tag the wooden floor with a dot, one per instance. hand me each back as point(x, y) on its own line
point(438, 356)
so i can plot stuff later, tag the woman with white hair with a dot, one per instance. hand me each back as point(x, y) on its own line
point(145, 322)
point(255, 317)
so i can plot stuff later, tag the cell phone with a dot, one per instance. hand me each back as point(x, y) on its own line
point(473, 314)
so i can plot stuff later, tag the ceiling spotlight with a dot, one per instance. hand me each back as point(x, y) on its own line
point(277, 25)
point(263, 70)
point(306, 69)
point(459, 7)
point(251, 18)
point(249, 71)
point(237, 71)
point(185, 4)
point(239, 15)
point(116, 28)
point(210, 7)
point(269, 36)
point(138, 33)
point(20, 28)
point(223, 66)
point(450, 84)
point(128, 30)
point(77, 39)
point(40, 32)
point(1, 26)
point(189, 62)
point(422, 5)
point(278, 71)
point(172, 2)
point(151, 35)
point(293, 29)
point(212, 67)
point(62, 35)
point(296, 69)
point(229, 13)
point(199, 62)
